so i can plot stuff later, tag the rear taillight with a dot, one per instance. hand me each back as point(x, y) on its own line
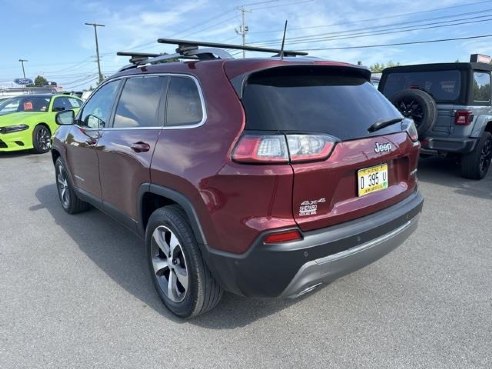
point(274, 149)
point(408, 126)
point(261, 149)
point(309, 147)
point(463, 117)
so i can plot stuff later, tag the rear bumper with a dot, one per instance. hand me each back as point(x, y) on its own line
point(291, 269)
point(436, 145)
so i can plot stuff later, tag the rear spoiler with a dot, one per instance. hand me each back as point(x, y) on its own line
point(240, 81)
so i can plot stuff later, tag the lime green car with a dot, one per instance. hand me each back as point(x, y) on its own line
point(28, 121)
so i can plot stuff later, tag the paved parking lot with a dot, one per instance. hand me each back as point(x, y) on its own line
point(74, 293)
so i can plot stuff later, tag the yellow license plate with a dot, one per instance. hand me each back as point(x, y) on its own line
point(372, 179)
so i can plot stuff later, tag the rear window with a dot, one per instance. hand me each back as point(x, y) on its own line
point(443, 86)
point(314, 100)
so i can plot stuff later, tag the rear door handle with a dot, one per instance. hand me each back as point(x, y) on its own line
point(140, 147)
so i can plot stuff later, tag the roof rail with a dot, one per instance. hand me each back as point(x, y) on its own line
point(191, 50)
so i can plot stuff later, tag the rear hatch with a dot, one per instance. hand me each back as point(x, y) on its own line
point(320, 116)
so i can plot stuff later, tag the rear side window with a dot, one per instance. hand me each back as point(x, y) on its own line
point(314, 100)
point(139, 103)
point(481, 87)
point(184, 106)
point(443, 86)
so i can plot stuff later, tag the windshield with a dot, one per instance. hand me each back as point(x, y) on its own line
point(25, 104)
point(314, 100)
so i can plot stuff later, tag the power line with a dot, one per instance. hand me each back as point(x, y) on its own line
point(400, 43)
point(283, 4)
point(434, 25)
point(385, 17)
point(392, 26)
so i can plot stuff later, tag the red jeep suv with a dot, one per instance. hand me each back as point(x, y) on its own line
point(261, 177)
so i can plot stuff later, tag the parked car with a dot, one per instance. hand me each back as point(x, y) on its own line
point(28, 121)
point(451, 106)
point(261, 177)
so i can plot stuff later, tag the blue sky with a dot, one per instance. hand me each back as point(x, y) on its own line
point(52, 36)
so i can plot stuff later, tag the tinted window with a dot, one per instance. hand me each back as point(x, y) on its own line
point(314, 101)
point(97, 111)
point(184, 106)
point(443, 86)
point(61, 103)
point(481, 87)
point(139, 103)
point(29, 104)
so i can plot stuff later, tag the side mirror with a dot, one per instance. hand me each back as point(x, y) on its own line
point(65, 118)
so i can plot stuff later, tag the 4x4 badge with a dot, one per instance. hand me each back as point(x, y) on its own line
point(383, 147)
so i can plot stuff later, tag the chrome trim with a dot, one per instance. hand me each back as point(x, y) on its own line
point(200, 93)
point(332, 267)
point(364, 246)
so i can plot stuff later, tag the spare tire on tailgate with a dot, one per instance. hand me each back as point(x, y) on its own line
point(418, 105)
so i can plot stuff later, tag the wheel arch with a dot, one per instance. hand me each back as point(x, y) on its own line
point(152, 197)
point(55, 154)
point(43, 124)
point(483, 123)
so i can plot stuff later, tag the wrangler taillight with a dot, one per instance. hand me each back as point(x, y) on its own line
point(280, 148)
point(463, 117)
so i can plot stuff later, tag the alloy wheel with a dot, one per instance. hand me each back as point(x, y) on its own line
point(43, 138)
point(486, 155)
point(169, 263)
point(410, 108)
point(62, 182)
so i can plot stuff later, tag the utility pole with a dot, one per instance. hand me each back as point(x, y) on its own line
point(22, 61)
point(95, 25)
point(243, 28)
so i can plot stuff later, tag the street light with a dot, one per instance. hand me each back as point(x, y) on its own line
point(23, 70)
point(95, 25)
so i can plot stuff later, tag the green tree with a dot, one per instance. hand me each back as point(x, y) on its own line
point(378, 68)
point(40, 81)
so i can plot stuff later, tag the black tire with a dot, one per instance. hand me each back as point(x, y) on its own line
point(68, 198)
point(418, 105)
point(180, 276)
point(476, 164)
point(41, 139)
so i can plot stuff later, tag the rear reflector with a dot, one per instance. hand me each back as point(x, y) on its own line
point(463, 117)
point(279, 148)
point(281, 237)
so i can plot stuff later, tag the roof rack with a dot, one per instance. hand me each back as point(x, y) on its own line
point(136, 58)
point(197, 50)
point(185, 45)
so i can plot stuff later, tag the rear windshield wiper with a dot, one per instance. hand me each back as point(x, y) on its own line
point(383, 123)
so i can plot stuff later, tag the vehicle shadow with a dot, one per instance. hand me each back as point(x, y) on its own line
point(121, 255)
point(446, 172)
point(15, 154)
